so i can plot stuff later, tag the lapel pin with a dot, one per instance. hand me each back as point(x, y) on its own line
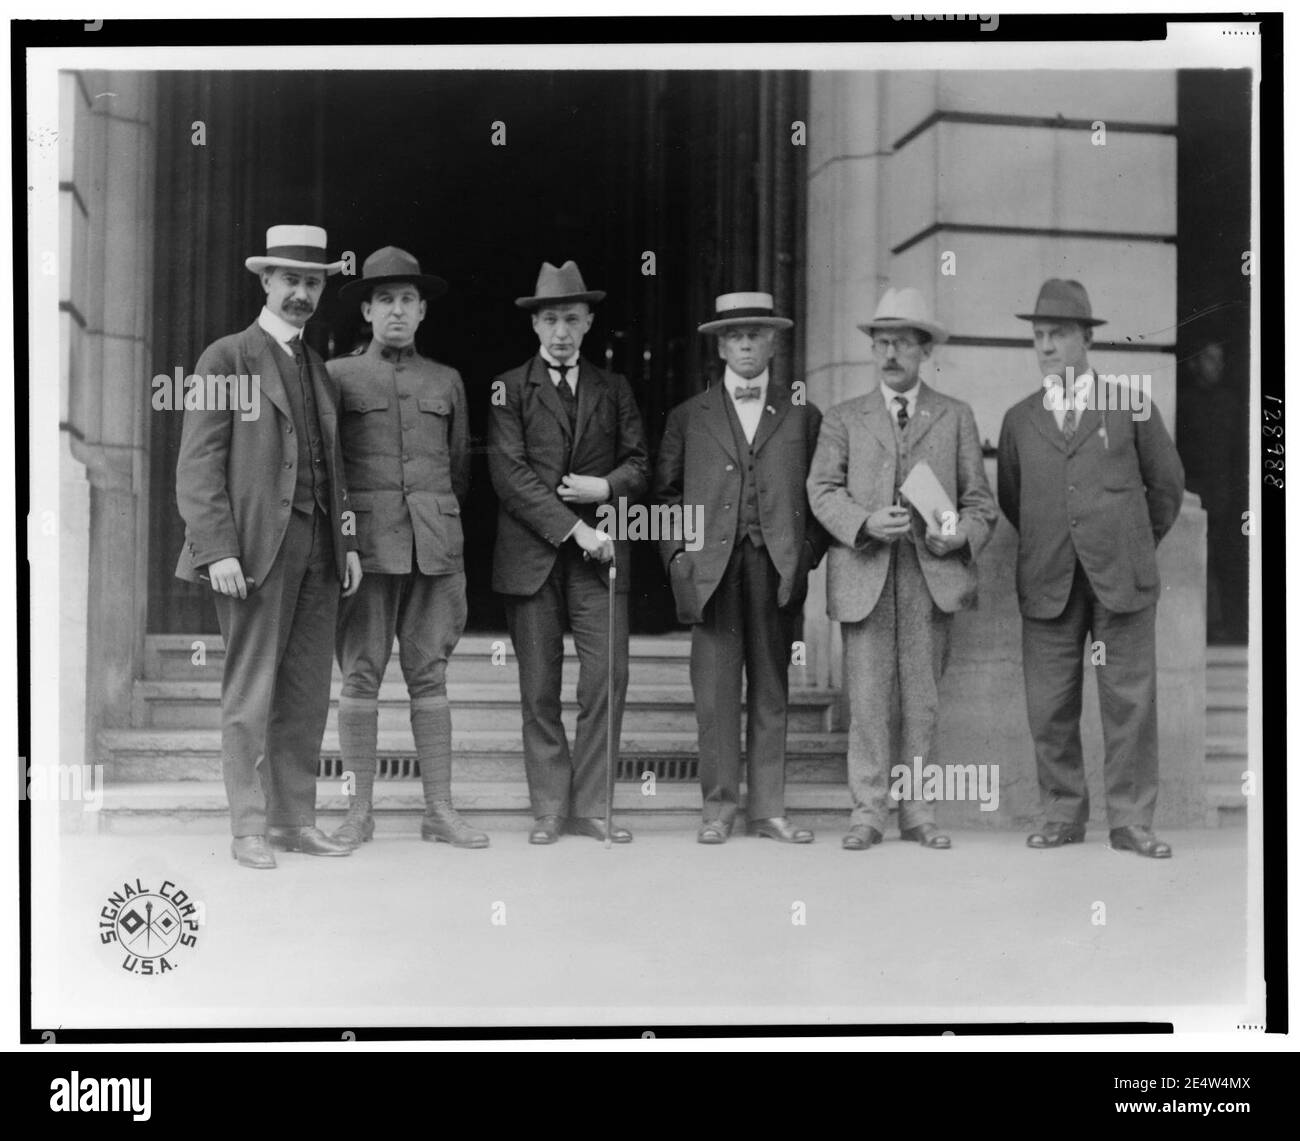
point(771, 410)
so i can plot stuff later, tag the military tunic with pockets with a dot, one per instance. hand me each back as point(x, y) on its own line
point(404, 430)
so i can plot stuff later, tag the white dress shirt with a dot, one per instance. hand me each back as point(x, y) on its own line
point(554, 371)
point(280, 331)
point(910, 396)
point(750, 412)
point(1082, 394)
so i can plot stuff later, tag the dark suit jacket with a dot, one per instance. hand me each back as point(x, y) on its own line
point(405, 439)
point(853, 475)
point(1107, 497)
point(698, 465)
point(531, 447)
point(235, 477)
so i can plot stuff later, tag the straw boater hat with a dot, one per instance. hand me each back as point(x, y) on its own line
point(563, 286)
point(294, 247)
point(744, 309)
point(905, 309)
point(1061, 300)
point(388, 265)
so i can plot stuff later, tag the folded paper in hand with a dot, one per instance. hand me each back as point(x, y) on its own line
point(923, 491)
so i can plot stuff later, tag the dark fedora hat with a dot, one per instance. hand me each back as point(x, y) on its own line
point(1061, 300)
point(562, 286)
point(388, 265)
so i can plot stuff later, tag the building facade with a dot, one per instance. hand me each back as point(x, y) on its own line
point(972, 186)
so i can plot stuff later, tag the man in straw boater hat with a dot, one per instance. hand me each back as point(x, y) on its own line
point(899, 566)
point(1091, 488)
point(739, 454)
point(405, 434)
point(564, 437)
point(269, 525)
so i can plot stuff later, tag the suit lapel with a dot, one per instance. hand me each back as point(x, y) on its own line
point(591, 391)
point(928, 411)
point(540, 375)
point(1089, 421)
point(1042, 419)
point(878, 421)
point(713, 408)
point(774, 411)
point(257, 349)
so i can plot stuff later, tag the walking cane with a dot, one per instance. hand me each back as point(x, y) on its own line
point(609, 708)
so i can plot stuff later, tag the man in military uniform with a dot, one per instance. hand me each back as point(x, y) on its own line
point(405, 435)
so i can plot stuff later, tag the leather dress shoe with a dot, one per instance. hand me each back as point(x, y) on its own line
point(357, 828)
point(310, 841)
point(927, 835)
point(1143, 841)
point(442, 822)
point(713, 832)
point(1056, 833)
point(252, 852)
point(860, 837)
point(586, 826)
point(779, 828)
point(546, 830)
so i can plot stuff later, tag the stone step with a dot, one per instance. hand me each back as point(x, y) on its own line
point(475, 705)
point(150, 755)
point(200, 806)
point(1226, 804)
point(1226, 749)
point(477, 658)
point(1225, 723)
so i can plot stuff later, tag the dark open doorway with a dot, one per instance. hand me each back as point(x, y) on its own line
point(1214, 391)
point(601, 167)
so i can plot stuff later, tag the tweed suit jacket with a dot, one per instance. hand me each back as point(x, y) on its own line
point(853, 474)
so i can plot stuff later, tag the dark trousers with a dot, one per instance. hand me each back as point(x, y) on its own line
point(275, 690)
point(576, 594)
point(743, 631)
point(426, 613)
point(1054, 651)
point(893, 660)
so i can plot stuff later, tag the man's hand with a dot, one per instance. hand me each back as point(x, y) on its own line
point(352, 575)
point(889, 524)
point(227, 577)
point(596, 544)
point(937, 543)
point(583, 489)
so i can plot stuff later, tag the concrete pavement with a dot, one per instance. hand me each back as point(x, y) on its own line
point(660, 931)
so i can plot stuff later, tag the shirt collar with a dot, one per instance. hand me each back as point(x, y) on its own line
point(278, 328)
point(1082, 386)
point(910, 396)
point(388, 353)
point(551, 362)
point(733, 380)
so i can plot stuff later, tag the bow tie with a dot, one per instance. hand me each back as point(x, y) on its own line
point(747, 392)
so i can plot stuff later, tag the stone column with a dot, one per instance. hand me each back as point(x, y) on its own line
point(846, 159)
point(106, 293)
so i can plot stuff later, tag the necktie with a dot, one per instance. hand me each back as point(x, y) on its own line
point(748, 391)
point(567, 396)
point(1069, 423)
point(901, 401)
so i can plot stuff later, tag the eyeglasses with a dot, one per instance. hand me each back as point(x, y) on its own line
point(882, 345)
